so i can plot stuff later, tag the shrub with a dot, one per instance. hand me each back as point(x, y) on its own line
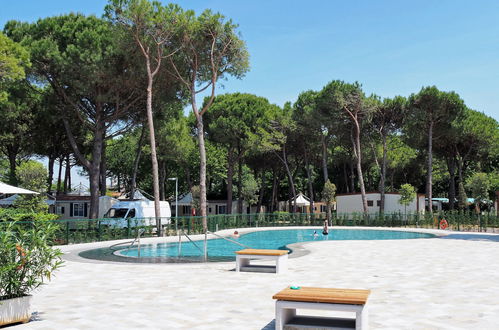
point(26, 259)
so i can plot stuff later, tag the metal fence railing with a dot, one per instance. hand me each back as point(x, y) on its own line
point(92, 230)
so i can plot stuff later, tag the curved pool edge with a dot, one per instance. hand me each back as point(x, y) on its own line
point(71, 252)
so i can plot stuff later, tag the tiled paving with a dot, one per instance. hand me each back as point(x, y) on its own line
point(416, 284)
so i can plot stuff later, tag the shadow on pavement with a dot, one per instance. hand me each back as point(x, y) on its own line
point(473, 237)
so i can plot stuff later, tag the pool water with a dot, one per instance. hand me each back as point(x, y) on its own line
point(221, 249)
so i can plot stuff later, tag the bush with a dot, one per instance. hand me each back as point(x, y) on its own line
point(15, 214)
point(26, 259)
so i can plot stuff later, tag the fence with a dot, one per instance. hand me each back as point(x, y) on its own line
point(92, 230)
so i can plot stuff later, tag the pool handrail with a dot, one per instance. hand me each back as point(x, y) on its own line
point(140, 232)
point(230, 240)
point(192, 241)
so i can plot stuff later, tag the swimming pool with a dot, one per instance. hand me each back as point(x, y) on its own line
point(222, 250)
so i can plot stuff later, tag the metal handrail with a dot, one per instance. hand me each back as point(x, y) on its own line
point(230, 240)
point(192, 242)
point(140, 232)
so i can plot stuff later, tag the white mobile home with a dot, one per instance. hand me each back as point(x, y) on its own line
point(351, 203)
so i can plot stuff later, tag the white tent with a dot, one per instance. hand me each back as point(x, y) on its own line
point(8, 189)
point(10, 200)
point(301, 200)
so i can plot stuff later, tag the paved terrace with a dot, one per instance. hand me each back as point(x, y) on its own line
point(439, 283)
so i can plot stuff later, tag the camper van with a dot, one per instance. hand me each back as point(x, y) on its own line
point(137, 213)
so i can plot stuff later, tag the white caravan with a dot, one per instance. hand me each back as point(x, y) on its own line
point(137, 213)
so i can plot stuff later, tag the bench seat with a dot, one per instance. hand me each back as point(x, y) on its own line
point(343, 300)
point(243, 258)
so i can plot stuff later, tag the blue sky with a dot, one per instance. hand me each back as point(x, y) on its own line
point(391, 47)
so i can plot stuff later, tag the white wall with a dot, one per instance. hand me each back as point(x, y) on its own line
point(353, 203)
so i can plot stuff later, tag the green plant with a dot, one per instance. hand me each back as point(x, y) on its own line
point(26, 258)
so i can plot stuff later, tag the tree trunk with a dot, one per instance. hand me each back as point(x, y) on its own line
point(462, 198)
point(324, 158)
point(360, 176)
point(383, 177)
point(230, 177)
point(451, 165)
point(12, 169)
point(284, 159)
point(310, 187)
point(352, 177)
point(67, 170)
point(274, 192)
point(202, 171)
point(162, 180)
point(136, 163)
point(188, 176)
point(61, 160)
point(154, 158)
point(429, 177)
point(260, 196)
point(345, 177)
point(239, 186)
point(50, 178)
point(103, 170)
point(94, 168)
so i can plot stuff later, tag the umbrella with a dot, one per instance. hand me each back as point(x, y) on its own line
point(8, 189)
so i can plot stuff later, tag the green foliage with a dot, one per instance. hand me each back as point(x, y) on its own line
point(13, 59)
point(329, 192)
point(17, 122)
point(478, 185)
point(195, 191)
point(33, 176)
point(462, 199)
point(14, 214)
point(26, 259)
point(407, 194)
point(249, 191)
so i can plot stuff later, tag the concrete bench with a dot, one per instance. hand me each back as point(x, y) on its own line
point(342, 300)
point(243, 258)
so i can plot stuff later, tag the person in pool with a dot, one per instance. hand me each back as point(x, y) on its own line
point(325, 230)
point(315, 234)
point(236, 234)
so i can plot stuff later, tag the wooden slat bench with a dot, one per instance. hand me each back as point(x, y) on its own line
point(343, 300)
point(243, 258)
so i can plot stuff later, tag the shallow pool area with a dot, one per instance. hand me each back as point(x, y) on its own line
point(220, 249)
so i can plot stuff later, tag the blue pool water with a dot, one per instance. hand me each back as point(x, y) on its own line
point(220, 249)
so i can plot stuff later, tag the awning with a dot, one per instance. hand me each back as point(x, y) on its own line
point(8, 189)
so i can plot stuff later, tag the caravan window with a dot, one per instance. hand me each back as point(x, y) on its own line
point(131, 214)
point(117, 213)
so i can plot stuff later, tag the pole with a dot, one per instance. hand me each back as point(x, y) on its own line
point(176, 204)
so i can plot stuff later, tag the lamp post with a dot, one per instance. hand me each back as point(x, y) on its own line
point(176, 202)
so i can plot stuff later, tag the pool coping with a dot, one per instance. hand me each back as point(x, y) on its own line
point(71, 252)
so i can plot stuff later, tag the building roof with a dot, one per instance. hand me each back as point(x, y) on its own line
point(62, 198)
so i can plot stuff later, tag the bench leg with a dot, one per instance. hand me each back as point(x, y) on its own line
point(283, 315)
point(361, 319)
point(241, 262)
point(281, 264)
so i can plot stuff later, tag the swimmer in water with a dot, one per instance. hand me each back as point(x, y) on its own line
point(315, 234)
point(325, 230)
point(236, 234)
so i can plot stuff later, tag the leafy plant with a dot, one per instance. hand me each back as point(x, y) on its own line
point(26, 258)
